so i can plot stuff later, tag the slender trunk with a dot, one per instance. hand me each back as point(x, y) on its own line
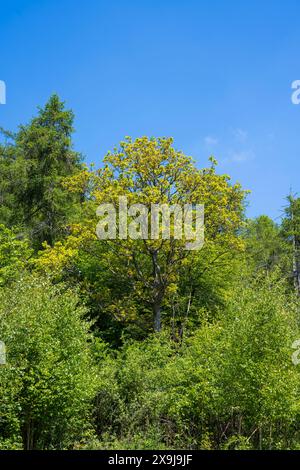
point(296, 261)
point(260, 437)
point(297, 265)
point(157, 317)
point(28, 435)
point(158, 291)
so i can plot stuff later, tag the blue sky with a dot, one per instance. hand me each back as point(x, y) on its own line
point(214, 74)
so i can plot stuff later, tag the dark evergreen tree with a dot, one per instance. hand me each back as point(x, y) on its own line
point(33, 167)
point(291, 232)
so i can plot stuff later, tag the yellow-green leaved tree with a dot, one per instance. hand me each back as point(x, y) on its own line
point(141, 274)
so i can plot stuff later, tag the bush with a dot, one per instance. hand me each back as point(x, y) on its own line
point(231, 385)
point(49, 380)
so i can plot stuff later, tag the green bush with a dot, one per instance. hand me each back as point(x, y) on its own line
point(231, 385)
point(49, 380)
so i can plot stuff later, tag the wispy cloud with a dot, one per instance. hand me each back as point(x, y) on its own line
point(240, 135)
point(240, 156)
point(235, 147)
point(210, 141)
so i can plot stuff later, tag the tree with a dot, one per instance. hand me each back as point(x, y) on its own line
point(9, 210)
point(264, 245)
point(33, 165)
point(141, 276)
point(291, 232)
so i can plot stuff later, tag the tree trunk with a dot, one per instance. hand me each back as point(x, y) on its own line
point(158, 291)
point(157, 317)
point(296, 251)
point(297, 265)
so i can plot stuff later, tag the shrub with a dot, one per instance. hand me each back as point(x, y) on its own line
point(49, 380)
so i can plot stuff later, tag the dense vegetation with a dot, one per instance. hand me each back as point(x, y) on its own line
point(137, 344)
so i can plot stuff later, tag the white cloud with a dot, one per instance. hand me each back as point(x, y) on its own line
point(241, 156)
point(236, 148)
point(210, 141)
point(240, 135)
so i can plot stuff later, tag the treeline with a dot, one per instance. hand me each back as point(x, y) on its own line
point(140, 344)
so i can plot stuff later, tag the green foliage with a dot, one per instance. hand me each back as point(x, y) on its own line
point(9, 212)
point(140, 281)
point(49, 380)
point(265, 247)
point(84, 368)
point(15, 254)
point(33, 165)
point(290, 231)
point(231, 385)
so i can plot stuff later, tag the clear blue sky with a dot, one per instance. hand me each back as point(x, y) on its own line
point(214, 74)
